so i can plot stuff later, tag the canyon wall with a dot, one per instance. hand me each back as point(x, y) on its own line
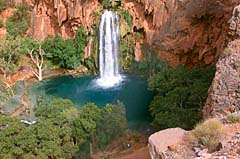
point(191, 32)
point(62, 17)
point(224, 93)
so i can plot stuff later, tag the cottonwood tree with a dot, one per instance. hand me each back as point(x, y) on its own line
point(37, 58)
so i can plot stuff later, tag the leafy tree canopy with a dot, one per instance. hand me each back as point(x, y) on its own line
point(61, 131)
point(181, 93)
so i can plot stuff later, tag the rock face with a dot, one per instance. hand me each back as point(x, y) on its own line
point(224, 93)
point(161, 141)
point(235, 20)
point(62, 17)
point(183, 31)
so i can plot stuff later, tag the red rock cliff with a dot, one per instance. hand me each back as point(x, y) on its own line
point(62, 17)
point(183, 31)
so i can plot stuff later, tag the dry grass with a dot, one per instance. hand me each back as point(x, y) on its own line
point(208, 133)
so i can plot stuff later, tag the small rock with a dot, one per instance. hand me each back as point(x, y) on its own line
point(202, 152)
point(207, 155)
point(197, 149)
point(222, 157)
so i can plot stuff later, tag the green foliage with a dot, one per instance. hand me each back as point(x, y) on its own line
point(107, 130)
point(127, 17)
point(106, 4)
point(208, 133)
point(233, 118)
point(3, 5)
point(43, 140)
point(80, 40)
point(127, 51)
point(66, 53)
point(61, 52)
point(62, 131)
point(18, 23)
point(1, 23)
point(181, 92)
point(9, 54)
point(150, 64)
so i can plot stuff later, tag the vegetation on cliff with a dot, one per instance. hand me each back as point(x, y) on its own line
point(19, 22)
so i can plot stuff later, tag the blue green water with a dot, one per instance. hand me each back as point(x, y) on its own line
point(132, 92)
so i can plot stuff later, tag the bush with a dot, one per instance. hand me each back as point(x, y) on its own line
point(3, 5)
point(19, 22)
point(66, 53)
point(208, 133)
point(127, 17)
point(233, 118)
point(1, 23)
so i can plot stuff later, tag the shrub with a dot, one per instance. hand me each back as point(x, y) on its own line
point(1, 23)
point(3, 5)
point(106, 4)
point(208, 133)
point(66, 53)
point(127, 17)
point(19, 22)
point(233, 118)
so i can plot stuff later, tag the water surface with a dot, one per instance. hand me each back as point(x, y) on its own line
point(132, 92)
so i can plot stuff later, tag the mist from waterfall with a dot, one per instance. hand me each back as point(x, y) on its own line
point(109, 37)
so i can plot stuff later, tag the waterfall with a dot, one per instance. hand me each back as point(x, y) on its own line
point(109, 36)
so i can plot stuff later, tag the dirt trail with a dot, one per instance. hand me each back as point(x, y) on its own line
point(142, 153)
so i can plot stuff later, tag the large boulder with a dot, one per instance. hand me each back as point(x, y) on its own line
point(161, 141)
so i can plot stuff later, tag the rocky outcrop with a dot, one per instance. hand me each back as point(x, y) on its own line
point(227, 149)
point(62, 17)
point(224, 93)
point(235, 21)
point(183, 31)
point(161, 141)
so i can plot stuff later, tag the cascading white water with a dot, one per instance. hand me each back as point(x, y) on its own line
point(109, 50)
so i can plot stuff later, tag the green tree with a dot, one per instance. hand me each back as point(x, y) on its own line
point(9, 54)
point(62, 131)
point(112, 124)
point(19, 22)
point(181, 93)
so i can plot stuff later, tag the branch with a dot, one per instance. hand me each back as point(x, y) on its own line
point(36, 74)
point(31, 55)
